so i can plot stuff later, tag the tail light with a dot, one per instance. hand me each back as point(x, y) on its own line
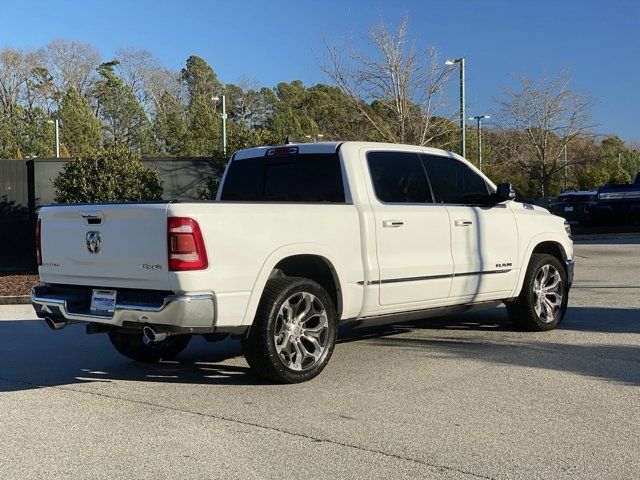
point(186, 245)
point(38, 244)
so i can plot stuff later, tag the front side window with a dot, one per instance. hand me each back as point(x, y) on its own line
point(307, 178)
point(398, 177)
point(454, 182)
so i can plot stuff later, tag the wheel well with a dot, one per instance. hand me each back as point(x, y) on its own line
point(551, 248)
point(316, 268)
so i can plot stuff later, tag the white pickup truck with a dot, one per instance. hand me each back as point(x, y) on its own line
point(301, 239)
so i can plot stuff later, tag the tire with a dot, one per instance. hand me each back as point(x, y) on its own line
point(280, 340)
point(529, 314)
point(133, 346)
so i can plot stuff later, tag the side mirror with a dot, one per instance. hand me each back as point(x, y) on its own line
point(504, 191)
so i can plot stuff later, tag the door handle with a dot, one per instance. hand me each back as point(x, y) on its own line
point(463, 223)
point(392, 223)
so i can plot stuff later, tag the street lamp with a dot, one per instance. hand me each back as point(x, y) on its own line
point(216, 99)
point(479, 118)
point(462, 103)
point(57, 124)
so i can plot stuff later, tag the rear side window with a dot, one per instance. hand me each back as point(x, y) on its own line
point(454, 182)
point(288, 178)
point(244, 180)
point(398, 177)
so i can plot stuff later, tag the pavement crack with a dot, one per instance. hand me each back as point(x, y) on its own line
point(256, 425)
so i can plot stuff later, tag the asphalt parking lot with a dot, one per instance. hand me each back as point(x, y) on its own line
point(463, 397)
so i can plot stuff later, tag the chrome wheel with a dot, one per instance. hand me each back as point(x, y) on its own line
point(301, 331)
point(547, 290)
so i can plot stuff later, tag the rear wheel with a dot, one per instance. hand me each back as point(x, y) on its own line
point(543, 300)
point(136, 347)
point(294, 331)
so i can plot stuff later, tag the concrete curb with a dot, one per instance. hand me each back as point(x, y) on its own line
point(605, 236)
point(15, 300)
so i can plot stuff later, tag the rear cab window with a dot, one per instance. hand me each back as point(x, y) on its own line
point(303, 178)
point(398, 177)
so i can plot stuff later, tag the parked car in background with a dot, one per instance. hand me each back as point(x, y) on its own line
point(576, 206)
point(302, 238)
point(619, 204)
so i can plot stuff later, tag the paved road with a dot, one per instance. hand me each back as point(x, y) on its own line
point(465, 397)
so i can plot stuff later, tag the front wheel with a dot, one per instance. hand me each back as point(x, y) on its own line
point(542, 303)
point(136, 347)
point(294, 331)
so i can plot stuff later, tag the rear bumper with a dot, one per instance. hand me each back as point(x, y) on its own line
point(192, 313)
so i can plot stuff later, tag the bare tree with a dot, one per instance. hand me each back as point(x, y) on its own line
point(539, 122)
point(246, 102)
point(70, 64)
point(16, 67)
point(397, 90)
point(148, 79)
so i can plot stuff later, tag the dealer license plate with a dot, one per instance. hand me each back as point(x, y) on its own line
point(103, 301)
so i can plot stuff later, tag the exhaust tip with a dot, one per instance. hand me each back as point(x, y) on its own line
point(153, 335)
point(54, 324)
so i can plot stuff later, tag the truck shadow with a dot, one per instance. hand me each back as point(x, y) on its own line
point(34, 357)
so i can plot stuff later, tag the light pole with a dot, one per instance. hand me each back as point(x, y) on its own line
point(224, 123)
point(564, 168)
point(462, 100)
point(479, 118)
point(56, 122)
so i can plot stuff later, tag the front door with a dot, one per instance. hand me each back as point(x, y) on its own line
point(484, 239)
point(413, 237)
point(484, 244)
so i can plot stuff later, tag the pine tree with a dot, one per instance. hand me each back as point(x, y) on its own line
point(81, 130)
point(123, 117)
point(203, 137)
point(204, 134)
point(200, 78)
point(170, 125)
point(36, 133)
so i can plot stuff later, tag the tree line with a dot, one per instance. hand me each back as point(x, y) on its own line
point(541, 138)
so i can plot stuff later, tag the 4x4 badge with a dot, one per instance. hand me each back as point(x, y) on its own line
point(94, 242)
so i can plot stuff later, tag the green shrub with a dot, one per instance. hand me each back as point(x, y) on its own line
point(110, 174)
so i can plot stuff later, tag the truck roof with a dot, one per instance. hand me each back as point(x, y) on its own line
point(331, 147)
point(567, 193)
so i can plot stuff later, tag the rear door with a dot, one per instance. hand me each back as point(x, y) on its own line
point(412, 233)
point(484, 239)
point(105, 245)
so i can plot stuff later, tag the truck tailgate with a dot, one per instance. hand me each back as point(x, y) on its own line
point(119, 245)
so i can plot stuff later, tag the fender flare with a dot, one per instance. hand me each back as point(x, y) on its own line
point(274, 258)
point(533, 243)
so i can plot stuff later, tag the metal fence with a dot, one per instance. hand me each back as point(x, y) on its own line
point(26, 185)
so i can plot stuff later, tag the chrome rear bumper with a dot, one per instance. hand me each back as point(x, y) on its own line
point(195, 312)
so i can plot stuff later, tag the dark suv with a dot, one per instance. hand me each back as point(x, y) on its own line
point(576, 206)
point(619, 204)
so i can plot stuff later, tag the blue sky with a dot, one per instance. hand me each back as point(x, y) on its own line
point(277, 40)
